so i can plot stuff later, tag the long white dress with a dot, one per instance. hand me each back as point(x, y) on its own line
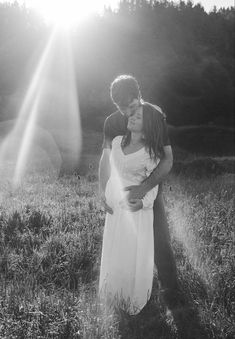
point(127, 261)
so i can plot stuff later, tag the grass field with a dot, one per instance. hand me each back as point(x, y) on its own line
point(50, 245)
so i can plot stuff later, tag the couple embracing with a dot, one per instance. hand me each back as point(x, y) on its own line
point(136, 157)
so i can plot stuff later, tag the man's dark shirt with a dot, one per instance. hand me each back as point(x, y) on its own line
point(116, 124)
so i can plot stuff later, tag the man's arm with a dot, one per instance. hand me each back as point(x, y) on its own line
point(155, 178)
point(160, 172)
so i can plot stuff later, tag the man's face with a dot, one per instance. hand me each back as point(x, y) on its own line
point(130, 109)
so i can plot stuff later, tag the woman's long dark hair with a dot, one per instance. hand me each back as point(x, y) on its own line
point(153, 125)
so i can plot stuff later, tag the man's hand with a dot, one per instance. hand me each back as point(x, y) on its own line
point(135, 192)
point(106, 207)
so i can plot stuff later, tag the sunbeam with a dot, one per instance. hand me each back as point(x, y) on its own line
point(27, 103)
point(25, 145)
point(180, 217)
point(49, 117)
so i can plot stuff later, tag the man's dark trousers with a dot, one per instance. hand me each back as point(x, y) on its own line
point(163, 254)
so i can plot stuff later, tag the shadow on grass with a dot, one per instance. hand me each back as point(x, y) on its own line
point(185, 316)
point(156, 320)
point(150, 323)
point(188, 323)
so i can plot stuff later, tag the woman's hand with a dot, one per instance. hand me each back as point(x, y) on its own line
point(104, 204)
point(135, 205)
point(135, 192)
point(132, 205)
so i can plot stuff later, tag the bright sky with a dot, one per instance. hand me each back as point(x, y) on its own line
point(209, 4)
point(84, 8)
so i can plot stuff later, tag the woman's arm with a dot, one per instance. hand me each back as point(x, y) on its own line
point(104, 174)
point(104, 169)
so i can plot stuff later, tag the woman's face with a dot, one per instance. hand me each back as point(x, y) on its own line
point(135, 121)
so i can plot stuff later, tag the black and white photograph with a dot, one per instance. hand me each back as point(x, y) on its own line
point(117, 169)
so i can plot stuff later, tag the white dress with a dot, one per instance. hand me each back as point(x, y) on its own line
point(127, 261)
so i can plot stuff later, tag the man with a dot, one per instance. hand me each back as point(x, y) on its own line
point(126, 96)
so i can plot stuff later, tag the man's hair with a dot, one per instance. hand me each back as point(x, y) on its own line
point(124, 89)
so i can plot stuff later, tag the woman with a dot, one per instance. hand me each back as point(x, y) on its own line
point(128, 251)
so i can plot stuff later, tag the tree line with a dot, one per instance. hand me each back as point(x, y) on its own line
point(182, 56)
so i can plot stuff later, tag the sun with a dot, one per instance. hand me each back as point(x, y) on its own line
point(67, 13)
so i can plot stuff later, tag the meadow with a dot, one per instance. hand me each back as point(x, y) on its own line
point(50, 246)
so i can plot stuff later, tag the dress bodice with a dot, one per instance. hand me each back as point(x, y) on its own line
point(130, 168)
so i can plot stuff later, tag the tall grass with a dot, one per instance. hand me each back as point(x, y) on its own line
point(50, 245)
point(201, 215)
